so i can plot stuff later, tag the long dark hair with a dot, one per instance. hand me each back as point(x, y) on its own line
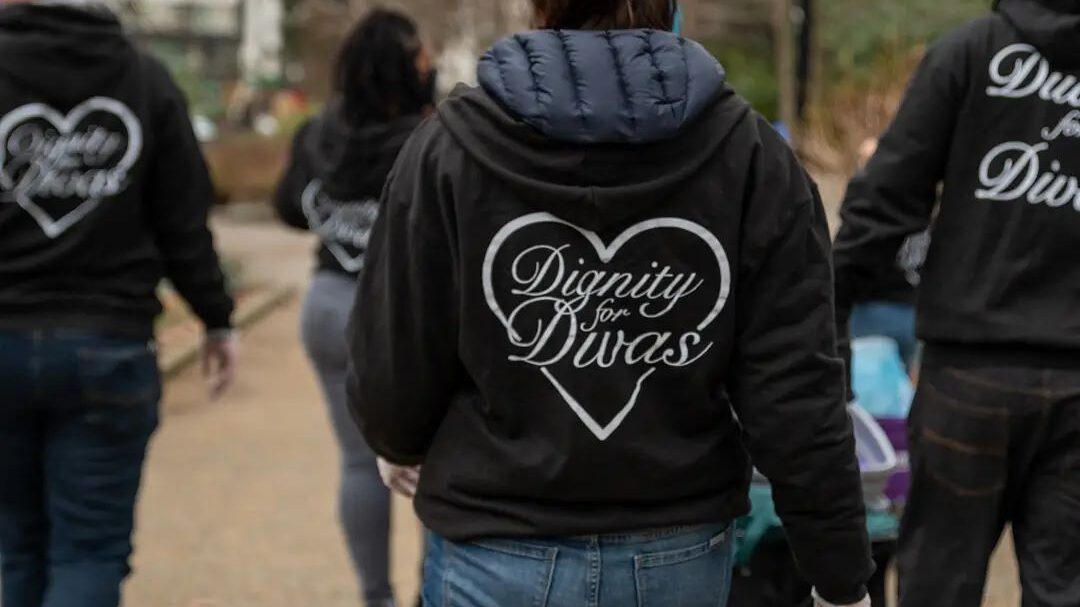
point(376, 76)
point(606, 14)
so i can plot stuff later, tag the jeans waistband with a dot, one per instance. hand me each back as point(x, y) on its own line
point(651, 535)
point(36, 336)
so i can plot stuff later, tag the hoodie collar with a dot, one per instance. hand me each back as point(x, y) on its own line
point(631, 86)
point(60, 53)
point(350, 161)
point(591, 185)
point(1052, 26)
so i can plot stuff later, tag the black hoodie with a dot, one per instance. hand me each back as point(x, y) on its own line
point(333, 183)
point(994, 114)
point(103, 189)
point(599, 285)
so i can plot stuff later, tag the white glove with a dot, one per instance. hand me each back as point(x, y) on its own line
point(399, 479)
point(820, 602)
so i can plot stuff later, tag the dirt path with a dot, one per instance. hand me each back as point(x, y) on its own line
point(238, 505)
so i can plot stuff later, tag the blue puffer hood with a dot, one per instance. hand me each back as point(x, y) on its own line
point(595, 127)
point(631, 86)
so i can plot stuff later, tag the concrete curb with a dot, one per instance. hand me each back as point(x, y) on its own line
point(247, 316)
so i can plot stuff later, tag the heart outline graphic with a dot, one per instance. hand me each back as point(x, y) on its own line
point(309, 203)
point(605, 253)
point(66, 124)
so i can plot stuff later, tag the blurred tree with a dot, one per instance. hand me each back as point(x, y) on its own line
point(867, 50)
point(855, 33)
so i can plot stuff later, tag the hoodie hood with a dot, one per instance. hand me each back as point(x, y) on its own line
point(44, 45)
point(634, 86)
point(351, 162)
point(594, 127)
point(1052, 26)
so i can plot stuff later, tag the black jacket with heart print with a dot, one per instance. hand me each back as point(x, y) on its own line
point(992, 121)
point(599, 288)
point(103, 187)
point(333, 182)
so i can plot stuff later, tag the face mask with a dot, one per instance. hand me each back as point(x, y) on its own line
point(676, 17)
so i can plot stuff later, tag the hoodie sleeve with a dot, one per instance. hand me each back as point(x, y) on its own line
point(894, 196)
point(787, 381)
point(404, 329)
point(180, 193)
point(290, 191)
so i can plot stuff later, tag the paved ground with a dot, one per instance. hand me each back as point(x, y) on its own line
point(238, 504)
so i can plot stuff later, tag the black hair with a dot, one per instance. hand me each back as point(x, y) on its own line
point(376, 76)
point(607, 14)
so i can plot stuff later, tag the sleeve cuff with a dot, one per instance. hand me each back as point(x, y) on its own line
point(217, 320)
point(865, 602)
point(220, 334)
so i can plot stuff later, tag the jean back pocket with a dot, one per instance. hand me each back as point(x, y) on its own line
point(961, 431)
point(698, 575)
point(120, 386)
point(498, 573)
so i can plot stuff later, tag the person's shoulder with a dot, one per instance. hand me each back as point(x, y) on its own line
point(430, 141)
point(973, 34)
point(152, 68)
point(156, 79)
point(746, 129)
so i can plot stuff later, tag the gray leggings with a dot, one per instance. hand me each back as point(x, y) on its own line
point(364, 503)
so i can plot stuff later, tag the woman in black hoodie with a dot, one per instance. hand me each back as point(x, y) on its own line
point(599, 284)
point(103, 193)
point(383, 85)
point(992, 121)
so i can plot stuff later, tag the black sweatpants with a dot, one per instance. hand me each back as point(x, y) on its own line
point(992, 446)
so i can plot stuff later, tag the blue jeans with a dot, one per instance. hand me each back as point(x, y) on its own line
point(76, 414)
point(686, 567)
point(885, 319)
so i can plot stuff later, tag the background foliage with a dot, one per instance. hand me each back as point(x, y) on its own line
point(866, 51)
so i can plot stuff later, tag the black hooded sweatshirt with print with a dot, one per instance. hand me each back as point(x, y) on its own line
point(600, 285)
point(103, 187)
point(333, 183)
point(993, 113)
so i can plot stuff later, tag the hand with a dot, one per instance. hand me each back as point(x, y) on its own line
point(399, 479)
point(219, 355)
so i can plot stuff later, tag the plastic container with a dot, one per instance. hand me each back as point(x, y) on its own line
point(877, 458)
point(900, 484)
point(879, 378)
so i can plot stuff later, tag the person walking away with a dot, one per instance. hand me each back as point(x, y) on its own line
point(594, 280)
point(993, 115)
point(383, 86)
point(103, 192)
point(887, 307)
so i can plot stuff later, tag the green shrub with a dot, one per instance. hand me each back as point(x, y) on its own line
point(752, 72)
point(854, 33)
